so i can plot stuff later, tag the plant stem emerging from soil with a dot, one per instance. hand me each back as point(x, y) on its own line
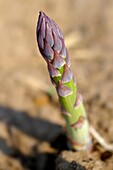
point(52, 47)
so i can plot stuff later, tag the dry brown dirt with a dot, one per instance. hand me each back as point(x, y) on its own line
point(32, 130)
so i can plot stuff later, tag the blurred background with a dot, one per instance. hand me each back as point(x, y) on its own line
point(28, 108)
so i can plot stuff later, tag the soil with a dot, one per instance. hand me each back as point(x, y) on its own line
point(32, 130)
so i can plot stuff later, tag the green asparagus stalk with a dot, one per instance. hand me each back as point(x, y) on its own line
point(52, 47)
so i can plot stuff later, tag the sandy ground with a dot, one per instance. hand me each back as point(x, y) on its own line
point(31, 126)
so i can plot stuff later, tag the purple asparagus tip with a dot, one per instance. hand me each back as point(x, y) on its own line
point(49, 37)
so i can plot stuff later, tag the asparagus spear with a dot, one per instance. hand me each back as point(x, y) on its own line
point(52, 47)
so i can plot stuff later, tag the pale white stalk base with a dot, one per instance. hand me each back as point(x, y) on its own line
point(100, 139)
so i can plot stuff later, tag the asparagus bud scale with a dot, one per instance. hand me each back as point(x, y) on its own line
point(51, 45)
